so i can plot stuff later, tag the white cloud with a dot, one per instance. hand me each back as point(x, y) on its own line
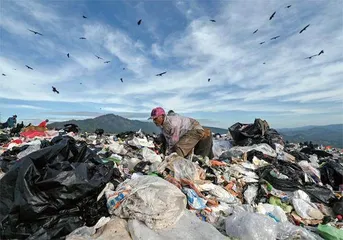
point(225, 51)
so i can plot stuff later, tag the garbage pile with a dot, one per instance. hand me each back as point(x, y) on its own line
point(70, 185)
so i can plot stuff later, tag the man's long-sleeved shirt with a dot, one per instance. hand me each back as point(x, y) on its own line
point(174, 127)
point(11, 122)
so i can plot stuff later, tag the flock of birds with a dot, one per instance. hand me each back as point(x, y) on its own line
point(162, 73)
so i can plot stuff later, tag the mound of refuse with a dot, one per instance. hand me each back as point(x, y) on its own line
point(68, 185)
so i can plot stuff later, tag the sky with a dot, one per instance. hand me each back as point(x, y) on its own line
point(179, 38)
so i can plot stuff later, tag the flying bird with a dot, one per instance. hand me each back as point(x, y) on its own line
point(82, 38)
point(304, 28)
point(139, 22)
point(160, 74)
point(121, 80)
point(68, 55)
point(80, 82)
point(289, 6)
point(55, 90)
point(212, 20)
point(311, 56)
point(273, 38)
point(255, 31)
point(15, 69)
point(84, 16)
point(262, 43)
point(321, 52)
point(35, 32)
point(264, 63)
point(107, 62)
point(4, 74)
point(123, 68)
point(98, 57)
point(208, 80)
point(271, 17)
point(29, 67)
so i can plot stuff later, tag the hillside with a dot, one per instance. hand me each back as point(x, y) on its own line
point(326, 135)
point(115, 124)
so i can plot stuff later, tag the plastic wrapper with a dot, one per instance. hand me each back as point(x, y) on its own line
point(189, 227)
point(194, 201)
point(51, 192)
point(250, 194)
point(332, 174)
point(152, 200)
point(246, 225)
point(29, 150)
point(264, 148)
point(287, 231)
point(117, 148)
point(330, 233)
point(141, 142)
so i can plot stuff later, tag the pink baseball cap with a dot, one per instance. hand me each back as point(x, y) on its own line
point(156, 112)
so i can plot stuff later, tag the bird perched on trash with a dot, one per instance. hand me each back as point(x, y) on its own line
point(84, 16)
point(208, 80)
point(273, 38)
point(35, 32)
point(255, 31)
point(107, 61)
point(55, 90)
point(29, 67)
point(4, 74)
point(160, 74)
point(212, 20)
point(271, 17)
point(289, 6)
point(98, 57)
point(121, 80)
point(261, 43)
point(68, 55)
point(139, 22)
point(304, 28)
point(321, 52)
point(82, 38)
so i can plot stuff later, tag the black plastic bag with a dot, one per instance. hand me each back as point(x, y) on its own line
point(332, 173)
point(259, 132)
point(338, 207)
point(319, 153)
point(47, 193)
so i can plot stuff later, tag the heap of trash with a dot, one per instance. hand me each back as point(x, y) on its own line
point(77, 186)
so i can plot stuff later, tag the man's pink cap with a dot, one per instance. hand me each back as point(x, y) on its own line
point(156, 112)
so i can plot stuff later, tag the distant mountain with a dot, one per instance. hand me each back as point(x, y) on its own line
point(327, 135)
point(116, 124)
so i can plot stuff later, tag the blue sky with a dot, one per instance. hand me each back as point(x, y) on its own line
point(177, 37)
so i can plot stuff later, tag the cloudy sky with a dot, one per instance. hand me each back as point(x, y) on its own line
point(177, 37)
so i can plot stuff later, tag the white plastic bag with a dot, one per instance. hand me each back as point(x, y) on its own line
point(263, 147)
point(117, 148)
point(250, 193)
point(153, 200)
point(114, 228)
point(220, 193)
point(220, 146)
point(247, 226)
point(184, 168)
point(141, 142)
point(303, 206)
point(150, 156)
point(188, 227)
